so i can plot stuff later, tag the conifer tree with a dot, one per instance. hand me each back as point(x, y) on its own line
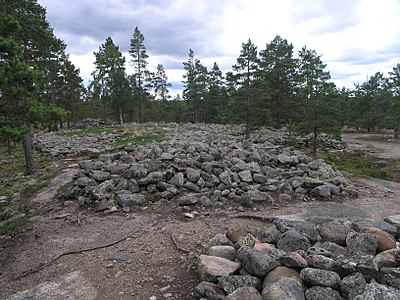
point(141, 74)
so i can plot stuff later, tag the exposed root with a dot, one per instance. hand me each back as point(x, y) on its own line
point(35, 270)
point(178, 246)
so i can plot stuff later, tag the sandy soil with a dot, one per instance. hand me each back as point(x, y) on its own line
point(69, 253)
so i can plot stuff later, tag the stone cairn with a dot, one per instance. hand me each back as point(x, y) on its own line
point(206, 165)
point(318, 259)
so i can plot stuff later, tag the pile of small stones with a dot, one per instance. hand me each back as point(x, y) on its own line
point(205, 165)
point(312, 259)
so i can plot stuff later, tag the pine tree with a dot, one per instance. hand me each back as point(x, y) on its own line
point(317, 97)
point(277, 71)
point(394, 111)
point(141, 74)
point(161, 84)
point(246, 69)
point(109, 79)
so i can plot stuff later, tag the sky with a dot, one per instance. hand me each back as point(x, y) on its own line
point(356, 38)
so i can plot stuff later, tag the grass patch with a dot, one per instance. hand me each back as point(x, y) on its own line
point(13, 223)
point(92, 131)
point(357, 163)
point(138, 140)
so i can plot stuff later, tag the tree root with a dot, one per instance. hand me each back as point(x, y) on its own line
point(255, 217)
point(178, 246)
point(32, 271)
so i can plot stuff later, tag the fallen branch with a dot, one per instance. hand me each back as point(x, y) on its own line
point(178, 246)
point(26, 273)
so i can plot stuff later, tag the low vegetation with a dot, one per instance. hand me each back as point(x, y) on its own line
point(359, 163)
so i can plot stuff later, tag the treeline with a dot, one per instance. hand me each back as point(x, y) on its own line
point(40, 87)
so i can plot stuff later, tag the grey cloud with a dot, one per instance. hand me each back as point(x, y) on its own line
point(332, 16)
point(169, 27)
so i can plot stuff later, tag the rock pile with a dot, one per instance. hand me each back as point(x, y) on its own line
point(208, 165)
point(91, 123)
point(304, 259)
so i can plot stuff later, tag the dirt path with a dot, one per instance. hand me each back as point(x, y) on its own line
point(82, 255)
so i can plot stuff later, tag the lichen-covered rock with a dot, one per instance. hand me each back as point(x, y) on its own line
point(227, 252)
point(286, 288)
point(352, 284)
point(293, 240)
point(335, 232)
point(278, 273)
point(311, 277)
point(128, 199)
point(321, 293)
point(245, 293)
point(376, 291)
point(308, 229)
point(231, 283)
point(362, 242)
point(259, 263)
point(385, 240)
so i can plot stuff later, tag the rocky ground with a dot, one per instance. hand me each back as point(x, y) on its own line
point(126, 228)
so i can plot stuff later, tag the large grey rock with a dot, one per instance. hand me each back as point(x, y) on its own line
point(278, 273)
point(246, 176)
point(362, 242)
point(352, 284)
point(335, 232)
point(187, 200)
point(231, 283)
point(225, 178)
point(128, 199)
point(320, 293)
point(193, 175)
point(311, 277)
point(359, 225)
point(212, 267)
point(308, 229)
point(286, 288)
point(259, 263)
point(245, 293)
point(293, 240)
point(395, 221)
point(227, 252)
point(390, 276)
point(267, 234)
point(135, 171)
point(376, 291)
point(178, 179)
point(100, 175)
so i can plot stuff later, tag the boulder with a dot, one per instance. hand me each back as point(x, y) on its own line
point(325, 278)
point(259, 263)
point(362, 242)
point(320, 293)
point(245, 293)
point(352, 284)
point(227, 252)
point(278, 273)
point(212, 267)
point(385, 240)
point(231, 283)
point(286, 288)
point(293, 240)
point(378, 291)
point(335, 232)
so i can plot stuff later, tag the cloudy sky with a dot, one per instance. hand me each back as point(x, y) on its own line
point(356, 38)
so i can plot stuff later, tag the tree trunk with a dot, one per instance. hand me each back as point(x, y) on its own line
point(121, 118)
point(396, 133)
point(9, 148)
point(315, 142)
point(28, 150)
